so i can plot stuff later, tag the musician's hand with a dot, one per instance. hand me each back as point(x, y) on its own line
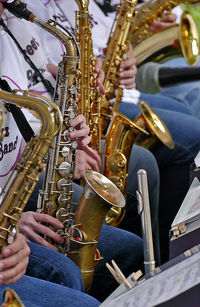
point(31, 225)
point(101, 75)
point(15, 260)
point(128, 70)
point(81, 132)
point(164, 22)
point(84, 161)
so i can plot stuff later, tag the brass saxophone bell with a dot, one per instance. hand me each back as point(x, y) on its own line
point(189, 38)
point(150, 121)
point(175, 41)
point(98, 196)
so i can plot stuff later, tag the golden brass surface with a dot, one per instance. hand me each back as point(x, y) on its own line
point(11, 299)
point(147, 13)
point(90, 97)
point(25, 175)
point(151, 122)
point(174, 41)
point(99, 194)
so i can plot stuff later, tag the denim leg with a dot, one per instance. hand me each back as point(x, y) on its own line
point(186, 93)
point(47, 264)
point(173, 165)
point(166, 103)
point(185, 130)
point(35, 292)
point(127, 251)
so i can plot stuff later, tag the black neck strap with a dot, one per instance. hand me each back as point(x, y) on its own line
point(46, 82)
point(19, 117)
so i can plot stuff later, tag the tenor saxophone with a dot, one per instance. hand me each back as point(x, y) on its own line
point(122, 134)
point(147, 13)
point(81, 230)
point(175, 41)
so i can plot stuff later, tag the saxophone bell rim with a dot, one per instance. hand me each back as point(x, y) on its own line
point(156, 125)
point(105, 188)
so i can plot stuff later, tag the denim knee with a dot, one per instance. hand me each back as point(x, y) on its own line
point(47, 264)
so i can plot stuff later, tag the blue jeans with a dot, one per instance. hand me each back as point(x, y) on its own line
point(187, 94)
point(173, 164)
point(52, 266)
point(35, 292)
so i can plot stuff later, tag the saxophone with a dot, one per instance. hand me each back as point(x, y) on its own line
point(11, 299)
point(90, 98)
point(25, 175)
point(118, 46)
point(147, 13)
point(174, 41)
point(121, 134)
point(81, 230)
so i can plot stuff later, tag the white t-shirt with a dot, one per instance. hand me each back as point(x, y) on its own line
point(27, 37)
point(64, 12)
point(11, 69)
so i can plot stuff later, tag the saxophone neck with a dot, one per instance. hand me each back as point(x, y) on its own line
point(83, 5)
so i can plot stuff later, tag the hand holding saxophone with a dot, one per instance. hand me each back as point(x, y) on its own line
point(164, 22)
point(81, 132)
point(101, 75)
point(86, 159)
point(15, 260)
point(33, 223)
point(128, 71)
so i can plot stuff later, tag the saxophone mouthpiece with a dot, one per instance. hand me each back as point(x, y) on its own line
point(19, 9)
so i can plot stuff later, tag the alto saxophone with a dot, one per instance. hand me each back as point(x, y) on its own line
point(90, 98)
point(81, 230)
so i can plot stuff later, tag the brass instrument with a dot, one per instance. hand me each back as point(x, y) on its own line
point(11, 299)
point(118, 46)
point(24, 177)
point(118, 141)
point(99, 194)
point(146, 130)
point(151, 122)
point(174, 41)
point(56, 198)
point(122, 133)
point(147, 13)
point(89, 102)
point(144, 211)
